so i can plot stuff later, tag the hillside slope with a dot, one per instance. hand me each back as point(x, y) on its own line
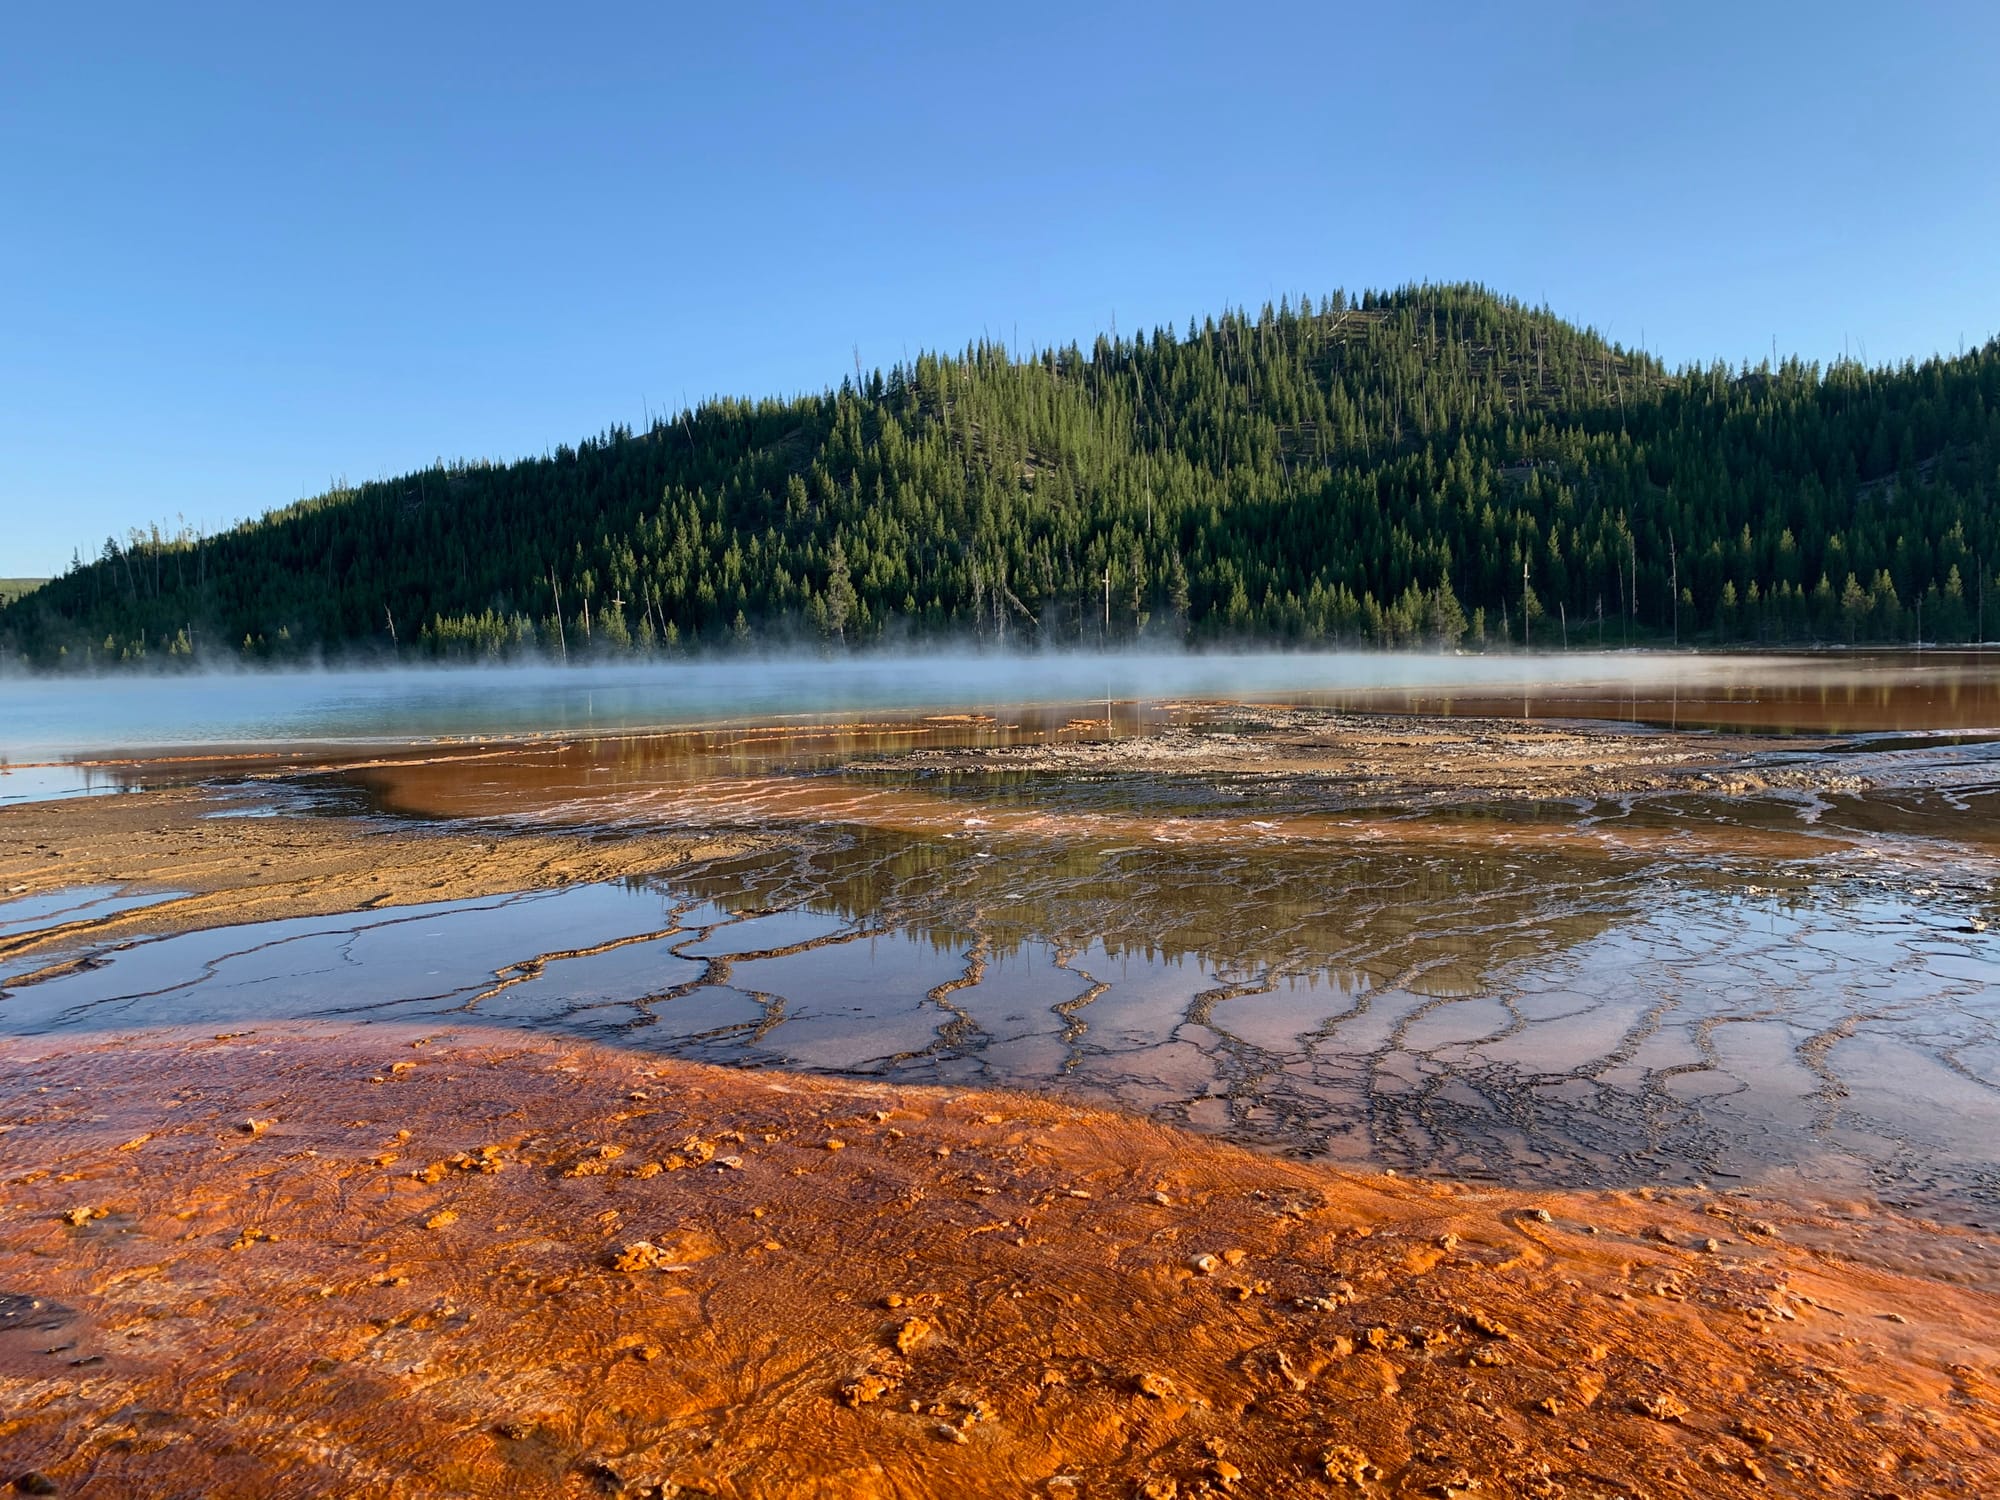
point(1402, 467)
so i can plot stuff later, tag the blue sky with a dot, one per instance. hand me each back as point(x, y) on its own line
point(244, 250)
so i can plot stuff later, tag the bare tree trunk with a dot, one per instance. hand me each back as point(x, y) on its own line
point(1674, 558)
point(562, 639)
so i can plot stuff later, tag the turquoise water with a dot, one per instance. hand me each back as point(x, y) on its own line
point(43, 719)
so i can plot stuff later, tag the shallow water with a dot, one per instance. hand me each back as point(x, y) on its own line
point(47, 783)
point(1522, 1015)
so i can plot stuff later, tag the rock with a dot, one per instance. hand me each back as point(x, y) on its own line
point(1158, 1386)
point(862, 1392)
point(836, 1145)
point(76, 1218)
point(1753, 1434)
point(912, 1333)
point(1349, 1466)
point(1159, 1487)
point(1206, 1265)
point(1459, 1482)
point(1662, 1406)
point(595, 1163)
point(951, 1434)
point(1224, 1472)
point(254, 1127)
point(693, 1152)
point(441, 1219)
point(35, 1482)
point(640, 1255)
point(1488, 1326)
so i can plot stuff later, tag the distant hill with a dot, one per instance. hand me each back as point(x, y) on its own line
point(1431, 465)
point(13, 588)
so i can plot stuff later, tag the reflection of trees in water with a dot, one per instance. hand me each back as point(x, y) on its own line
point(1388, 936)
point(1440, 919)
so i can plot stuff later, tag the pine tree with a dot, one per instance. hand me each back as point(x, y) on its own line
point(840, 596)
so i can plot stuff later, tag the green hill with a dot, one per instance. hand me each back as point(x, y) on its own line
point(1397, 468)
point(14, 588)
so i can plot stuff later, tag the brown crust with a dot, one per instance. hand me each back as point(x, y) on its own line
point(230, 870)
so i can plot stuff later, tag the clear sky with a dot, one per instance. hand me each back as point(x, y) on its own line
point(245, 250)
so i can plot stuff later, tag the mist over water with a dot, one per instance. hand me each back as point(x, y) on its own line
point(51, 718)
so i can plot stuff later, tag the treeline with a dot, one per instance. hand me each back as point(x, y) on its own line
point(1435, 465)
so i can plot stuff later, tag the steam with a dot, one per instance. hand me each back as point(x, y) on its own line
point(49, 718)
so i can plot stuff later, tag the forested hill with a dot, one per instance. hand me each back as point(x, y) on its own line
point(1431, 465)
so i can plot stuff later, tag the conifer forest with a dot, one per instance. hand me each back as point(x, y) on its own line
point(1433, 467)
